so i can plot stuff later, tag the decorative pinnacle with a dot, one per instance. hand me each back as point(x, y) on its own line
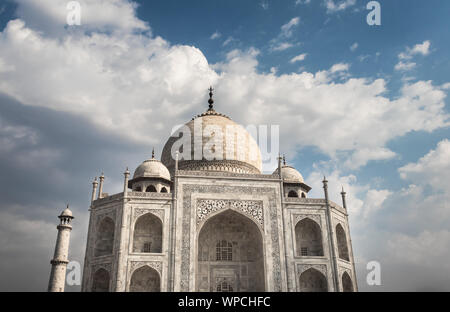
point(210, 101)
point(153, 153)
point(343, 192)
point(284, 160)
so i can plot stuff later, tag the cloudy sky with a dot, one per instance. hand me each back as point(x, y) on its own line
point(367, 106)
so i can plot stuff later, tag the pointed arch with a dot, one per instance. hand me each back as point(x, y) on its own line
point(230, 254)
point(100, 281)
point(313, 281)
point(342, 243)
point(292, 194)
point(308, 237)
point(347, 284)
point(104, 239)
point(145, 279)
point(164, 190)
point(147, 235)
point(151, 189)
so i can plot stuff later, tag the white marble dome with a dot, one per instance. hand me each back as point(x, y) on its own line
point(66, 213)
point(290, 174)
point(152, 168)
point(239, 154)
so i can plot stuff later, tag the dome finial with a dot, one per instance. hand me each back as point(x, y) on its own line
point(284, 160)
point(153, 153)
point(210, 101)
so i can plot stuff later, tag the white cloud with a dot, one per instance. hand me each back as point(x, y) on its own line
point(282, 46)
point(361, 156)
point(229, 40)
point(433, 169)
point(286, 29)
point(339, 67)
point(215, 35)
point(50, 16)
point(134, 84)
point(297, 2)
point(333, 6)
point(264, 5)
point(425, 249)
point(421, 48)
point(298, 58)
point(354, 46)
point(404, 63)
point(405, 66)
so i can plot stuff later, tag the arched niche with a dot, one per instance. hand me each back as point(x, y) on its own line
point(145, 279)
point(230, 254)
point(147, 234)
point(342, 243)
point(100, 281)
point(313, 280)
point(104, 239)
point(308, 237)
point(347, 284)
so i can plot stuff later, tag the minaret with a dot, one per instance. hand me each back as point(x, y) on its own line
point(344, 203)
point(331, 236)
point(94, 189)
point(100, 186)
point(126, 175)
point(59, 262)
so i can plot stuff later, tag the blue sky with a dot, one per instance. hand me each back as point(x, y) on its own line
point(365, 105)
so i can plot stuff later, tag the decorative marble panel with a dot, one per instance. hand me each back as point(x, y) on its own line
point(251, 208)
point(142, 211)
point(220, 189)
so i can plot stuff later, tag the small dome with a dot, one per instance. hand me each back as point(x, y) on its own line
point(66, 213)
point(152, 168)
point(290, 174)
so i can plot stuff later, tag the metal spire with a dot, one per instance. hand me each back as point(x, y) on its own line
point(153, 153)
point(210, 101)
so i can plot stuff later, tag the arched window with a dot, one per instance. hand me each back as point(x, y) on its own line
point(347, 285)
point(138, 189)
point(230, 248)
point(224, 251)
point(224, 286)
point(151, 189)
point(100, 281)
point(308, 237)
point(292, 194)
point(342, 243)
point(163, 190)
point(145, 279)
point(303, 195)
point(147, 237)
point(313, 281)
point(104, 238)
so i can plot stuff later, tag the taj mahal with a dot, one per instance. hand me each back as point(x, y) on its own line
point(216, 223)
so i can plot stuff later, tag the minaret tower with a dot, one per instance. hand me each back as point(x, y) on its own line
point(59, 262)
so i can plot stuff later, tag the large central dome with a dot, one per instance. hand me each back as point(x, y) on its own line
point(213, 142)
